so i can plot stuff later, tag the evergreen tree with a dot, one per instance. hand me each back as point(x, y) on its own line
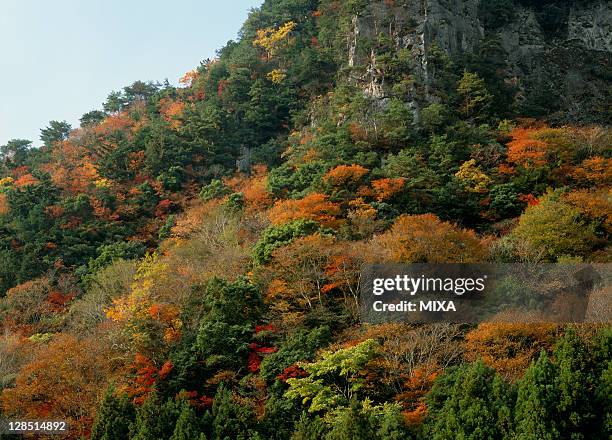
point(231, 421)
point(536, 416)
point(187, 425)
point(471, 402)
point(114, 417)
point(155, 420)
point(574, 381)
point(309, 429)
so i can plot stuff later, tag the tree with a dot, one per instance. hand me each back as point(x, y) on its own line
point(535, 412)
point(225, 331)
point(114, 417)
point(187, 425)
point(155, 419)
point(574, 382)
point(56, 131)
point(476, 99)
point(274, 237)
point(314, 206)
point(61, 381)
point(15, 152)
point(424, 238)
point(556, 228)
point(470, 401)
point(335, 379)
point(230, 420)
point(92, 118)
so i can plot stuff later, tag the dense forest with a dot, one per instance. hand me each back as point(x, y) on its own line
point(186, 263)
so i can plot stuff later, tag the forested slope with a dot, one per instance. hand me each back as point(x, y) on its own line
point(185, 263)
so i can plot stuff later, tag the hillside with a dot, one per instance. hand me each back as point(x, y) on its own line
point(186, 263)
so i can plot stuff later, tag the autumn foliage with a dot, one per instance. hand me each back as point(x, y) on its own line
point(314, 206)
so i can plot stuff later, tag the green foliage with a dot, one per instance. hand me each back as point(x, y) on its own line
point(15, 152)
point(434, 117)
point(535, 413)
point(166, 229)
point(234, 202)
point(295, 182)
point(472, 402)
point(476, 99)
point(300, 346)
point(214, 190)
point(334, 379)
point(277, 236)
point(555, 228)
point(504, 200)
point(187, 425)
point(155, 419)
point(231, 421)
point(115, 415)
point(225, 331)
point(56, 131)
point(92, 118)
point(108, 254)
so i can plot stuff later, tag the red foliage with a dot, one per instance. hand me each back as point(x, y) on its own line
point(254, 362)
point(264, 328)
point(291, 372)
point(530, 199)
point(145, 375)
point(163, 207)
point(166, 369)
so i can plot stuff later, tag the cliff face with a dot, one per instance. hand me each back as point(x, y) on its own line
point(554, 58)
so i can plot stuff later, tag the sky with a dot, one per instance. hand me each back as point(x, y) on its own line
point(60, 59)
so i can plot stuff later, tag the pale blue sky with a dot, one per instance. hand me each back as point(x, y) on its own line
point(61, 58)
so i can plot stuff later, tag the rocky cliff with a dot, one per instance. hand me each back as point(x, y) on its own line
point(554, 57)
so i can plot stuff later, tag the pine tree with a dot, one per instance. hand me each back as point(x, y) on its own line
point(187, 425)
point(574, 382)
point(309, 429)
point(231, 421)
point(472, 402)
point(535, 414)
point(155, 420)
point(114, 417)
point(351, 424)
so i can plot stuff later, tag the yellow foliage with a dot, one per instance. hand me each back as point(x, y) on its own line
point(273, 40)
point(277, 76)
point(473, 177)
point(7, 181)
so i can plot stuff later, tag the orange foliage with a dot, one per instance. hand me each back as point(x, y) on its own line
point(71, 167)
point(189, 78)
point(594, 204)
point(416, 416)
point(26, 180)
point(314, 206)
point(4, 205)
point(425, 238)
point(344, 175)
point(171, 111)
point(114, 123)
point(63, 381)
point(145, 375)
point(253, 188)
point(595, 170)
point(525, 150)
point(387, 188)
point(509, 348)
